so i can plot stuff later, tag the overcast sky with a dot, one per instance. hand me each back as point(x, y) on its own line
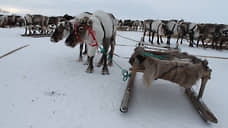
point(209, 11)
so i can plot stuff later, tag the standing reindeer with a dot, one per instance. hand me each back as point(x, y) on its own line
point(33, 20)
point(158, 27)
point(147, 28)
point(97, 30)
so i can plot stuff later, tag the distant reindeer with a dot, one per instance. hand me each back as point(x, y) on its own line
point(147, 25)
point(158, 27)
point(33, 20)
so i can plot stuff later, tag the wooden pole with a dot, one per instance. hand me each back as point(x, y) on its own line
point(13, 51)
point(127, 93)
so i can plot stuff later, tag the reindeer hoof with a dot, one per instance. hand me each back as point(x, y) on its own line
point(105, 71)
point(89, 70)
point(84, 53)
point(110, 63)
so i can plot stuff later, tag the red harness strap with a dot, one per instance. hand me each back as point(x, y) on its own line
point(91, 32)
point(75, 31)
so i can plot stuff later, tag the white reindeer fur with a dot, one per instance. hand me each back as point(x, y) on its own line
point(155, 26)
point(97, 18)
point(172, 24)
point(3, 19)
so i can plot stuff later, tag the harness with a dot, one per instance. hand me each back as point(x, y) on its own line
point(94, 43)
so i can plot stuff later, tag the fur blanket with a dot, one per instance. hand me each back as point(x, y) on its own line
point(179, 68)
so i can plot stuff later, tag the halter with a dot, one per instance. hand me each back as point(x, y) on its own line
point(91, 32)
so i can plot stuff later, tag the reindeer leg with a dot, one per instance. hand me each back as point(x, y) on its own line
point(161, 39)
point(111, 53)
point(198, 42)
point(157, 38)
point(152, 38)
point(30, 31)
point(144, 34)
point(80, 54)
point(85, 51)
point(177, 44)
point(105, 46)
point(90, 67)
point(149, 36)
point(168, 40)
point(191, 40)
point(26, 29)
point(202, 39)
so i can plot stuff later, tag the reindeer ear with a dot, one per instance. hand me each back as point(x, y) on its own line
point(89, 23)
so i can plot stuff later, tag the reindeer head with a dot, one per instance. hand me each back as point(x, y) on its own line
point(61, 31)
point(79, 33)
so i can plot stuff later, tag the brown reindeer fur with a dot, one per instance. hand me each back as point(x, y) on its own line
point(179, 68)
point(182, 73)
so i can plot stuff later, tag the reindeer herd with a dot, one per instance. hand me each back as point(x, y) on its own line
point(33, 23)
point(210, 35)
point(205, 35)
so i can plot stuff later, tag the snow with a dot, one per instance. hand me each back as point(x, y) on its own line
point(43, 86)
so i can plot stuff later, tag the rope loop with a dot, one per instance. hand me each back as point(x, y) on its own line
point(125, 74)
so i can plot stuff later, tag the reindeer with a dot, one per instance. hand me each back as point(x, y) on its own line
point(33, 20)
point(171, 26)
point(147, 28)
point(104, 25)
point(3, 20)
point(19, 21)
point(158, 27)
point(182, 30)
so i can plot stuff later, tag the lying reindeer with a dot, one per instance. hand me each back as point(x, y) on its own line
point(98, 29)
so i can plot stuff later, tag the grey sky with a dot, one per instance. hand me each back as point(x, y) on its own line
point(210, 11)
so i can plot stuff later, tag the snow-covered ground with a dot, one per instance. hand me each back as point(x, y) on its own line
point(43, 86)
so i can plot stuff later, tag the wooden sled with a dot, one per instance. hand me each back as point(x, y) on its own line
point(196, 99)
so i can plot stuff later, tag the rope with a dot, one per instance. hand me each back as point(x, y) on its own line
point(214, 57)
point(128, 38)
point(152, 55)
point(124, 72)
point(13, 51)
